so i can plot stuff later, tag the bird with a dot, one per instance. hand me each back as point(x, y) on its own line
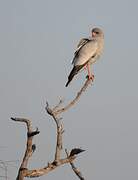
point(87, 52)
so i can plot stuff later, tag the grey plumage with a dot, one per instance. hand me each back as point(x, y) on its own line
point(88, 51)
point(74, 71)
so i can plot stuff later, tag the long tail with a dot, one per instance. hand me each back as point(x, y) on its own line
point(73, 73)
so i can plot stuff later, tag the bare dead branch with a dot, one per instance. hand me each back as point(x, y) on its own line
point(28, 152)
point(58, 105)
point(76, 170)
point(70, 104)
point(23, 171)
point(59, 130)
point(55, 113)
point(30, 147)
point(50, 167)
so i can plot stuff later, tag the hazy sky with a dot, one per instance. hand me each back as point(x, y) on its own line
point(37, 42)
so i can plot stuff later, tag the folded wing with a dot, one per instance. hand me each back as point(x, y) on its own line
point(81, 43)
point(86, 50)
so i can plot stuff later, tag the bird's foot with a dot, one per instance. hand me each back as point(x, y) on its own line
point(90, 77)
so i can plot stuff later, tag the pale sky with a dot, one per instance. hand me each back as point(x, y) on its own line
point(37, 42)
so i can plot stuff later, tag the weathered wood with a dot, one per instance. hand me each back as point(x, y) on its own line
point(30, 147)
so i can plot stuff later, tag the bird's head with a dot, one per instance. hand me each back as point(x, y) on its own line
point(97, 32)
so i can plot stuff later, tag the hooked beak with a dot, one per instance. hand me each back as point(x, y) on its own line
point(93, 34)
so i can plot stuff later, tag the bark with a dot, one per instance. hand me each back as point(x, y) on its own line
point(58, 160)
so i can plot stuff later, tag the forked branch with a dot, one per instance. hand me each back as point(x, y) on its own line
point(58, 161)
point(59, 110)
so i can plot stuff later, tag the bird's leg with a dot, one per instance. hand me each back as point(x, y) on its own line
point(90, 76)
point(85, 67)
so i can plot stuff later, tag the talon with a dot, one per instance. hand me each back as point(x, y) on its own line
point(91, 77)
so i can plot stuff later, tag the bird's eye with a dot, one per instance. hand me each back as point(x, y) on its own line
point(97, 32)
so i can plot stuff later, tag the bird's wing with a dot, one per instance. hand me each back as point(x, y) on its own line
point(86, 52)
point(81, 43)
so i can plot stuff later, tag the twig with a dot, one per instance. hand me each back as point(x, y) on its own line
point(76, 170)
point(28, 152)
